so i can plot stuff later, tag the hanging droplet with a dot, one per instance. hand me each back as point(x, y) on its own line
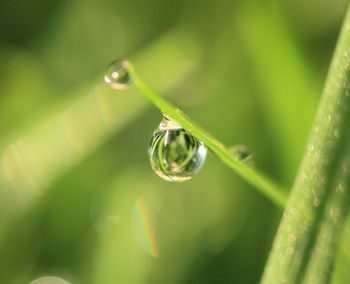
point(118, 76)
point(175, 154)
point(242, 153)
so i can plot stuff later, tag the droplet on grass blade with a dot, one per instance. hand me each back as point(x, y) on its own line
point(49, 280)
point(243, 154)
point(118, 76)
point(175, 154)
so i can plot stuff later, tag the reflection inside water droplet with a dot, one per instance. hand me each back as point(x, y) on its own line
point(118, 76)
point(175, 154)
point(49, 280)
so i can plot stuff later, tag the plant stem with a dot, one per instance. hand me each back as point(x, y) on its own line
point(304, 246)
point(262, 183)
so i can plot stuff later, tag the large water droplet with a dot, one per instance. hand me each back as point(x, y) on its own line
point(118, 76)
point(175, 154)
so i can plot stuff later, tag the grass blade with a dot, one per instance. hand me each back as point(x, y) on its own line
point(258, 180)
point(303, 249)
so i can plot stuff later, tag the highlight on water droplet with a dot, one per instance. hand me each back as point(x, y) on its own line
point(49, 280)
point(144, 227)
point(242, 153)
point(175, 154)
point(118, 76)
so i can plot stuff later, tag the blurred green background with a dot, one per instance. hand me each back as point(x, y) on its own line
point(78, 199)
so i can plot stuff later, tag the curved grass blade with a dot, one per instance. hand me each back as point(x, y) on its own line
point(255, 178)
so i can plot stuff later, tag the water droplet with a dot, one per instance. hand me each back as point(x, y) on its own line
point(175, 154)
point(49, 280)
point(118, 76)
point(337, 133)
point(242, 153)
point(340, 188)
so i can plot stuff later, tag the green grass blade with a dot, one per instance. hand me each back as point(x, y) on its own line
point(69, 131)
point(303, 249)
point(283, 78)
point(258, 180)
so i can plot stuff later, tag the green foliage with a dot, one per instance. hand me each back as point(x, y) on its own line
point(76, 187)
point(305, 244)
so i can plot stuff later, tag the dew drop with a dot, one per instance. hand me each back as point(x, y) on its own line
point(316, 202)
point(175, 154)
point(242, 153)
point(118, 76)
point(49, 280)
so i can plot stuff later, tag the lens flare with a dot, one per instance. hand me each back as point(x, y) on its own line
point(144, 228)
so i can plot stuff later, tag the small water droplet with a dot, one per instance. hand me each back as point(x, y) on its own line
point(346, 167)
point(175, 154)
point(49, 280)
point(337, 133)
point(118, 76)
point(311, 148)
point(242, 153)
point(340, 188)
point(316, 202)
